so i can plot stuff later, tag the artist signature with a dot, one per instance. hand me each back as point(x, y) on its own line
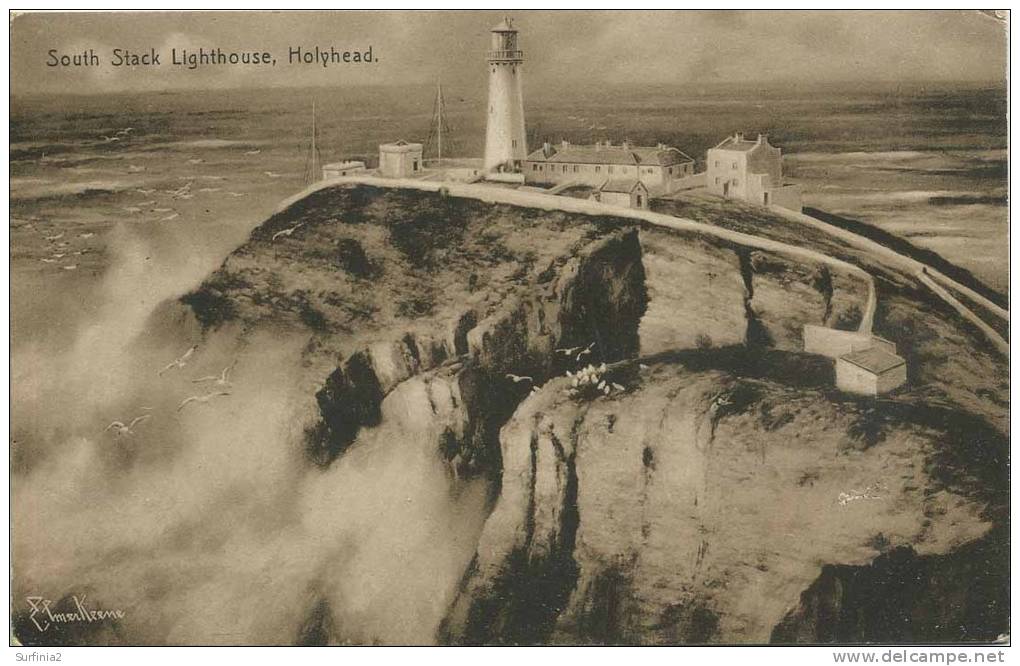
point(43, 616)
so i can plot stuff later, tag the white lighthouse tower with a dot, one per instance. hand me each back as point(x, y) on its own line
point(505, 148)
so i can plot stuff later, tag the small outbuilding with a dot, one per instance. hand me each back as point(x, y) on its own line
point(834, 343)
point(400, 159)
point(870, 371)
point(341, 169)
point(622, 192)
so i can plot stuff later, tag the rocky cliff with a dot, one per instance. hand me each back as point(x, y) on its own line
point(724, 492)
point(698, 505)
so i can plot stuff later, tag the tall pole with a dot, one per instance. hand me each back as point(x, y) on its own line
point(315, 167)
point(441, 118)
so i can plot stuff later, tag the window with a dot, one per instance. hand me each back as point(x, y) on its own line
point(414, 165)
point(597, 169)
point(610, 169)
point(717, 180)
point(513, 143)
point(534, 167)
point(576, 168)
point(734, 165)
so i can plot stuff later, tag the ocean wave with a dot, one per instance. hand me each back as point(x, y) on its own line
point(42, 188)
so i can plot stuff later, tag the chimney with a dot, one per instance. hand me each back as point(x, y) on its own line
point(661, 146)
point(564, 144)
point(546, 148)
point(739, 136)
point(763, 138)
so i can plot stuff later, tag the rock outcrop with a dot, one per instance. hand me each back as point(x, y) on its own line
point(700, 503)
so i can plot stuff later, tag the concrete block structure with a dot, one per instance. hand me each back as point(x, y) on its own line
point(341, 169)
point(505, 140)
point(657, 167)
point(400, 159)
point(622, 192)
point(751, 171)
point(870, 372)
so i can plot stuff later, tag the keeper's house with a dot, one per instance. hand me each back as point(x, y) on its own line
point(752, 171)
point(655, 166)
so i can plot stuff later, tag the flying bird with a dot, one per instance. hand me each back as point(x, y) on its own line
point(287, 232)
point(71, 267)
point(110, 139)
point(172, 216)
point(253, 152)
point(126, 430)
point(568, 351)
point(200, 399)
point(517, 379)
point(180, 362)
point(126, 130)
point(585, 351)
point(236, 194)
point(219, 380)
point(54, 238)
point(273, 174)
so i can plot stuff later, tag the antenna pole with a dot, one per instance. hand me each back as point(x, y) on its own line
point(441, 119)
point(315, 168)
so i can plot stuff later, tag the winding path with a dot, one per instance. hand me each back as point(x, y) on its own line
point(545, 201)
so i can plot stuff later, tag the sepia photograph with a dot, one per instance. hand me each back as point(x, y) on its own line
point(510, 328)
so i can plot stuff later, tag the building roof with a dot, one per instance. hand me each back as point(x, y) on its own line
point(609, 154)
point(400, 146)
point(874, 360)
point(737, 142)
point(506, 25)
point(347, 164)
point(622, 185)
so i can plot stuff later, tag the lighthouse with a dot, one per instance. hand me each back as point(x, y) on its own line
point(505, 148)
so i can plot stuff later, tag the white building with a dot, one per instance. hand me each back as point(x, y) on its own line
point(505, 141)
point(400, 159)
point(341, 169)
point(751, 171)
point(622, 192)
point(870, 372)
point(657, 167)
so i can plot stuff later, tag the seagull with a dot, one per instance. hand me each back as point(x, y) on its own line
point(273, 174)
point(196, 160)
point(147, 203)
point(287, 232)
point(126, 430)
point(126, 130)
point(209, 189)
point(201, 398)
point(161, 210)
point(48, 261)
point(517, 379)
point(170, 217)
point(236, 194)
point(110, 139)
point(132, 209)
point(59, 255)
point(71, 267)
point(54, 238)
point(144, 190)
point(253, 152)
point(568, 351)
point(180, 362)
point(585, 351)
point(220, 380)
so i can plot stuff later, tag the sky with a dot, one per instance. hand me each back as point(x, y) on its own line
point(561, 47)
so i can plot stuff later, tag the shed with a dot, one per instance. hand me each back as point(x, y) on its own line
point(341, 169)
point(623, 192)
point(400, 159)
point(870, 371)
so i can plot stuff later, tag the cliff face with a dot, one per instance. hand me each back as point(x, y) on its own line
point(710, 294)
point(726, 493)
point(697, 505)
